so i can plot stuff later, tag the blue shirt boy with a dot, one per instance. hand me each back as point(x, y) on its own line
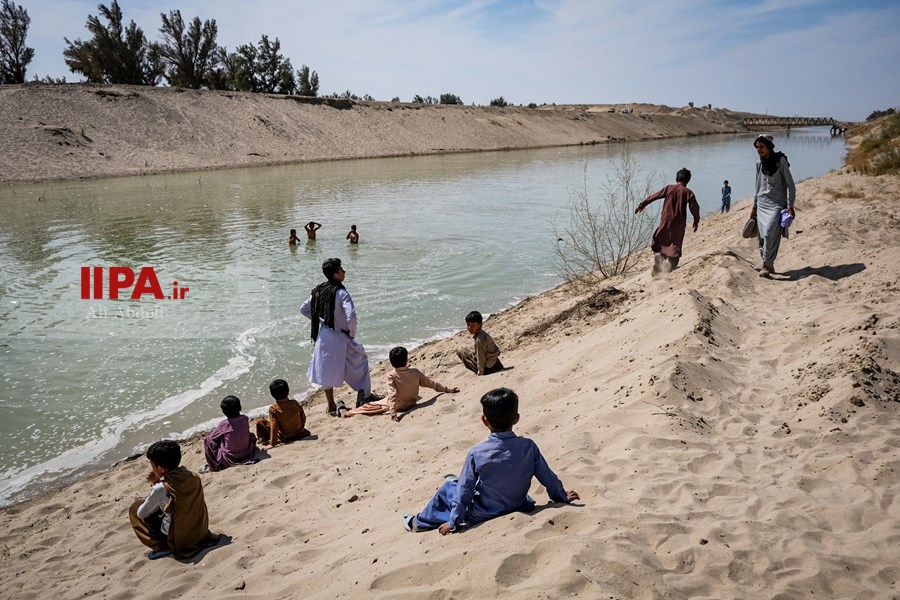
point(495, 477)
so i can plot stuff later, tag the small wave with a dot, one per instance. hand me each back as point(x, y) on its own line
point(90, 454)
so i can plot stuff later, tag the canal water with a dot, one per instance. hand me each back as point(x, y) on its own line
point(86, 382)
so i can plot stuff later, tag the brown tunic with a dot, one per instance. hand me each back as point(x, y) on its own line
point(189, 531)
point(286, 423)
point(189, 521)
point(668, 237)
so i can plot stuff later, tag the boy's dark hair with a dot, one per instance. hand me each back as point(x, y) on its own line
point(398, 356)
point(683, 175)
point(330, 267)
point(293, 231)
point(231, 406)
point(500, 408)
point(279, 389)
point(474, 317)
point(165, 454)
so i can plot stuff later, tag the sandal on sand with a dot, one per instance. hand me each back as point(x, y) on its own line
point(203, 469)
point(450, 477)
point(155, 554)
point(764, 272)
point(409, 522)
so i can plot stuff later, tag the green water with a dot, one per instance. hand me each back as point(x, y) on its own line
point(439, 236)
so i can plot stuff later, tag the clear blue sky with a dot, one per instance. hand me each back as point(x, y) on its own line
point(785, 57)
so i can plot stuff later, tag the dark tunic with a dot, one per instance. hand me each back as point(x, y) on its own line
point(669, 235)
point(189, 527)
point(189, 531)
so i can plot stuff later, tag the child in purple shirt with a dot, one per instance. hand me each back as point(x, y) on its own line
point(495, 477)
point(231, 442)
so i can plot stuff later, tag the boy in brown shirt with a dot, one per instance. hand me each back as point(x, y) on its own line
point(286, 421)
point(485, 359)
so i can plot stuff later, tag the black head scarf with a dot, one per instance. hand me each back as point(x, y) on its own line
point(322, 305)
point(769, 165)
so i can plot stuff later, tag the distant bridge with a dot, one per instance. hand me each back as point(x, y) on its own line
point(789, 122)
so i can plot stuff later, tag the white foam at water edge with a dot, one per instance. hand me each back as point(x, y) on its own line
point(92, 452)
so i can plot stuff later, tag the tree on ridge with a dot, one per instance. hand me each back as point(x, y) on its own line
point(114, 54)
point(307, 83)
point(450, 99)
point(190, 55)
point(14, 54)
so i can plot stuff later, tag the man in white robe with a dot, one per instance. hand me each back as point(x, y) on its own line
point(337, 357)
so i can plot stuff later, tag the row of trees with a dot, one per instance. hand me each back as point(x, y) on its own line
point(444, 99)
point(186, 56)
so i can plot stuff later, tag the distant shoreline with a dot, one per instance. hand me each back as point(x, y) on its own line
point(82, 131)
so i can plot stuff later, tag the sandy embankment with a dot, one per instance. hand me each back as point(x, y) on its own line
point(730, 436)
point(54, 132)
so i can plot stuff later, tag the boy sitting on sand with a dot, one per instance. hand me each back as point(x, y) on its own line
point(231, 442)
point(486, 358)
point(495, 477)
point(403, 389)
point(173, 519)
point(286, 421)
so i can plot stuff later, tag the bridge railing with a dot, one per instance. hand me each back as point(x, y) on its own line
point(788, 122)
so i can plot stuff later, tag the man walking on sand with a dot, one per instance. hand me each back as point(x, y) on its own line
point(668, 237)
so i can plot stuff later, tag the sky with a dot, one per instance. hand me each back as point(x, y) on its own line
point(814, 58)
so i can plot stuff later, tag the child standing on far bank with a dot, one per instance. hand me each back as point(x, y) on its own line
point(726, 197)
point(486, 357)
point(495, 477)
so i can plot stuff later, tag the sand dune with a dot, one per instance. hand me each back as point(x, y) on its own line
point(77, 131)
point(730, 436)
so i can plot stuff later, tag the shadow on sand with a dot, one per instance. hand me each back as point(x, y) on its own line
point(832, 273)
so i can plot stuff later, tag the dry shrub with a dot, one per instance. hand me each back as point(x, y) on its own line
point(602, 239)
point(846, 193)
point(879, 150)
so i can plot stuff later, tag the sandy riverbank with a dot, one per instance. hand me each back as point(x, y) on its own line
point(57, 132)
point(730, 436)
